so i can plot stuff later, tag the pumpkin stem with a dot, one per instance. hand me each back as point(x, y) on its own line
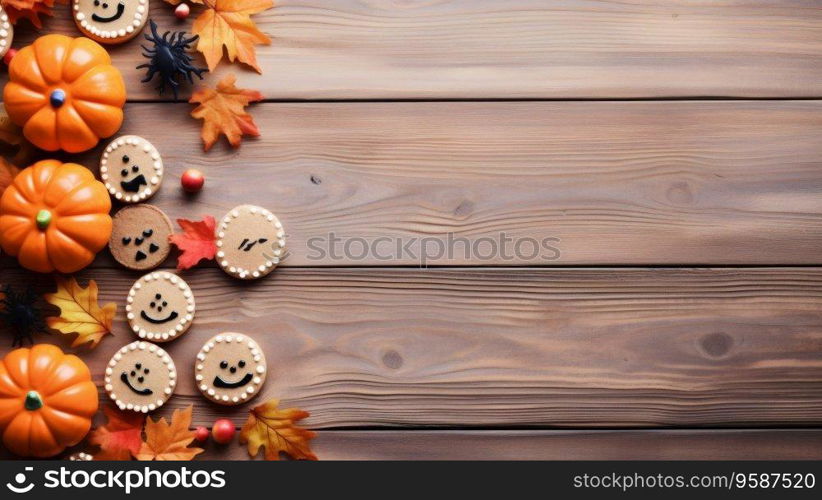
point(33, 401)
point(43, 219)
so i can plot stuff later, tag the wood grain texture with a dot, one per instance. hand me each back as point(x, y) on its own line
point(731, 444)
point(558, 445)
point(387, 49)
point(509, 347)
point(616, 183)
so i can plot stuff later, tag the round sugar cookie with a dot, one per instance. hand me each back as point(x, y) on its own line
point(6, 32)
point(160, 306)
point(131, 168)
point(110, 21)
point(230, 369)
point(140, 377)
point(139, 237)
point(250, 242)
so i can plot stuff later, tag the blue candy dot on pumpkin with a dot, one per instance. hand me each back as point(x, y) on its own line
point(57, 97)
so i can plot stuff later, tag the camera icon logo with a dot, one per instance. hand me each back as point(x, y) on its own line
point(20, 478)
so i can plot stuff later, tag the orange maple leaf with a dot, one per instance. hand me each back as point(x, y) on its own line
point(120, 438)
point(275, 430)
point(7, 174)
point(29, 9)
point(169, 442)
point(196, 243)
point(223, 112)
point(227, 23)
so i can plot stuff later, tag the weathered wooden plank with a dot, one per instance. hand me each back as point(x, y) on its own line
point(635, 183)
point(686, 444)
point(558, 445)
point(511, 347)
point(349, 49)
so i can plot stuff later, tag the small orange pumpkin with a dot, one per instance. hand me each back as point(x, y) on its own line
point(65, 93)
point(54, 216)
point(47, 401)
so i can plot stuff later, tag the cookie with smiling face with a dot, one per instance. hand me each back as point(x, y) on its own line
point(140, 377)
point(131, 168)
point(110, 21)
point(6, 32)
point(139, 237)
point(230, 369)
point(250, 242)
point(160, 307)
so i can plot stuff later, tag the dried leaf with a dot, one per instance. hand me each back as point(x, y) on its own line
point(10, 133)
point(169, 442)
point(79, 312)
point(121, 437)
point(227, 23)
point(7, 174)
point(196, 243)
point(223, 111)
point(29, 9)
point(275, 430)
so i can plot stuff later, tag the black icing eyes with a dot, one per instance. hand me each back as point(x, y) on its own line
point(136, 371)
point(233, 369)
point(134, 168)
point(148, 232)
point(126, 159)
point(97, 4)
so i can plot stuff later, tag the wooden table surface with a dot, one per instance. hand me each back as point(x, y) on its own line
point(671, 151)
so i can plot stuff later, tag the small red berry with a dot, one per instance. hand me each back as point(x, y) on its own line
point(201, 434)
point(223, 431)
point(192, 180)
point(182, 11)
point(9, 55)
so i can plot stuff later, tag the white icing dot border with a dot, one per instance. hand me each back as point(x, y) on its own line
point(254, 386)
point(151, 348)
point(6, 32)
point(182, 325)
point(153, 182)
point(113, 36)
point(263, 269)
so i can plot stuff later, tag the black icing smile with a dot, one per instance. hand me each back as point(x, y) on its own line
point(222, 384)
point(148, 318)
point(143, 392)
point(134, 184)
point(116, 16)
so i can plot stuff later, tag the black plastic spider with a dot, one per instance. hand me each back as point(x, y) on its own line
point(169, 58)
point(19, 311)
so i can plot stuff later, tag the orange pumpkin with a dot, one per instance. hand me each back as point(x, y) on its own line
point(47, 401)
point(65, 93)
point(54, 216)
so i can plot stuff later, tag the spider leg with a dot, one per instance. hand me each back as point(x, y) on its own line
point(150, 74)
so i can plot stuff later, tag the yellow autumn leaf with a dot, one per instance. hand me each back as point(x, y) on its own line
point(80, 312)
point(276, 431)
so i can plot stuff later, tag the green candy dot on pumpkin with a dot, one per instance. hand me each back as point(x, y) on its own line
point(43, 219)
point(33, 401)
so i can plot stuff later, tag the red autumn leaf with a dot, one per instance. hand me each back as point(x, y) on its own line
point(196, 242)
point(29, 9)
point(120, 438)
